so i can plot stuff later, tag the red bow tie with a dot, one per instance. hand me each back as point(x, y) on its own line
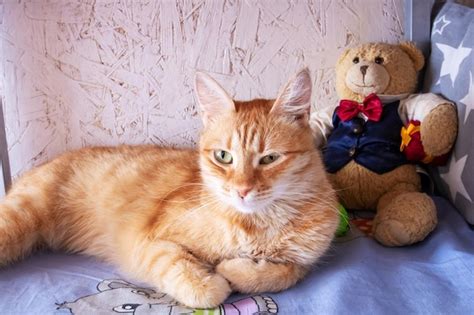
point(371, 107)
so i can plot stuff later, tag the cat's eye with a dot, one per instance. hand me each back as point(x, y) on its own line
point(355, 60)
point(223, 157)
point(270, 158)
point(378, 60)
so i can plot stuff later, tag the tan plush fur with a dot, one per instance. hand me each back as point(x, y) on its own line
point(439, 131)
point(180, 220)
point(397, 65)
point(404, 214)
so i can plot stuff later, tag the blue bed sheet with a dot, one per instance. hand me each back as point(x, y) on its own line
point(358, 276)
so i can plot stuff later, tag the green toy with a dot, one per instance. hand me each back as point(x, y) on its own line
point(343, 223)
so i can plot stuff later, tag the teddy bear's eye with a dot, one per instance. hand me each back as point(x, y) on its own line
point(378, 60)
point(355, 60)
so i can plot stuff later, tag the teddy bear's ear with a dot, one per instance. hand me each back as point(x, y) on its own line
point(342, 56)
point(414, 53)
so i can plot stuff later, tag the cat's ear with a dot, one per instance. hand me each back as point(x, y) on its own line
point(295, 98)
point(212, 98)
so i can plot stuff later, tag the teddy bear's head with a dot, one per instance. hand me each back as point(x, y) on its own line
point(378, 68)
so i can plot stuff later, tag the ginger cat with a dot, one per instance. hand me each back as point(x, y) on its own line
point(250, 211)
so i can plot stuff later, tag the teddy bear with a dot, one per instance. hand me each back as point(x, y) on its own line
point(380, 129)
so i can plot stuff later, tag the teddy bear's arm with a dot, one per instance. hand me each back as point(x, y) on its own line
point(321, 125)
point(439, 129)
point(418, 106)
point(438, 120)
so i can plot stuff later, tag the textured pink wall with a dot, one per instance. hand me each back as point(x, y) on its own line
point(77, 73)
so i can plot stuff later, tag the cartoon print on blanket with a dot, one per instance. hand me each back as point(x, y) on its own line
point(119, 296)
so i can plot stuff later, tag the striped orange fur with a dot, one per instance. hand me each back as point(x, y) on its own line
point(181, 220)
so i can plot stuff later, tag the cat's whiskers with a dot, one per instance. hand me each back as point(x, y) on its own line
point(178, 188)
point(302, 194)
point(190, 199)
point(313, 199)
point(187, 214)
point(283, 213)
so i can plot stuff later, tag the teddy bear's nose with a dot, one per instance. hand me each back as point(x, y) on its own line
point(363, 69)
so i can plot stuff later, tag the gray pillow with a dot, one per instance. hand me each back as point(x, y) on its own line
point(450, 73)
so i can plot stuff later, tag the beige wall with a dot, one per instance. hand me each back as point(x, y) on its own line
point(77, 73)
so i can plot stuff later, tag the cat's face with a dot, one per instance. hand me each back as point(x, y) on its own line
point(255, 153)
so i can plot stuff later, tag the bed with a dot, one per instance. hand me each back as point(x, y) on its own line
point(357, 276)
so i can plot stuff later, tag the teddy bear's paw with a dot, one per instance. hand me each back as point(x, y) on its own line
point(392, 233)
point(439, 129)
point(407, 219)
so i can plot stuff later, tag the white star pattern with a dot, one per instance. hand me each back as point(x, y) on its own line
point(453, 178)
point(440, 24)
point(453, 57)
point(468, 100)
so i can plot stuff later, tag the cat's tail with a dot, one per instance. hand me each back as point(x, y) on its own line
point(22, 216)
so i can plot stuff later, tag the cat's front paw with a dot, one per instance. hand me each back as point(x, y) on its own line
point(209, 292)
point(240, 272)
point(249, 276)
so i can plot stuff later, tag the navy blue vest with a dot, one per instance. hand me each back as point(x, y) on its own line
point(374, 145)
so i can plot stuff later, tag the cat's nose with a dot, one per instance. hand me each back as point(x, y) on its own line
point(244, 191)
